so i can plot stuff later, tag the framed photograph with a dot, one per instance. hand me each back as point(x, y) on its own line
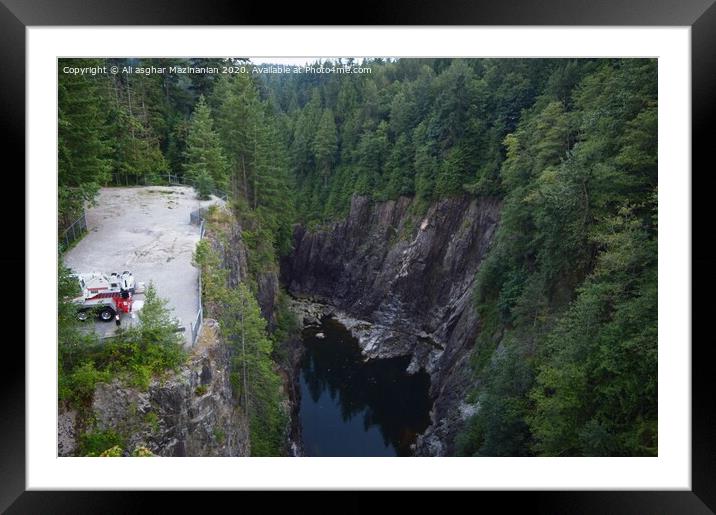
point(444, 250)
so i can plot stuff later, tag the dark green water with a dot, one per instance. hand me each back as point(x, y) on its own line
point(354, 408)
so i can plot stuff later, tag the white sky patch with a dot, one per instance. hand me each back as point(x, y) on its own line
point(299, 61)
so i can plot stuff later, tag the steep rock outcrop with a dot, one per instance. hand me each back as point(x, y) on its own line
point(412, 279)
point(191, 412)
point(195, 412)
point(224, 234)
point(232, 249)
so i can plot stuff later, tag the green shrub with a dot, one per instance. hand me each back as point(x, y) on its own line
point(94, 443)
point(142, 452)
point(152, 419)
point(78, 386)
point(204, 186)
point(112, 452)
point(135, 355)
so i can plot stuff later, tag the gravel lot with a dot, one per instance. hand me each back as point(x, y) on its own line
point(145, 230)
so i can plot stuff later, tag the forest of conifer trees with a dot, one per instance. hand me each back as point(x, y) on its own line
point(569, 147)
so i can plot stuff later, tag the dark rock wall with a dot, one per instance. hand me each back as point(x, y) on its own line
point(235, 259)
point(414, 274)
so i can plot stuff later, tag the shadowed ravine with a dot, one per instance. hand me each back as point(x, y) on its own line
point(354, 408)
point(414, 290)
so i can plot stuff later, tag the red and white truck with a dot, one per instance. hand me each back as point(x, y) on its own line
point(107, 295)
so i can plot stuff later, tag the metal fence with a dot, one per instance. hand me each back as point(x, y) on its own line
point(168, 179)
point(196, 217)
point(175, 180)
point(199, 320)
point(74, 231)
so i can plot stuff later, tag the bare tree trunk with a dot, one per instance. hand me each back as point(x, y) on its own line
point(117, 173)
point(144, 110)
point(256, 169)
point(243, 352)
point(129, 105)
point(234, 181)
point(246, 184)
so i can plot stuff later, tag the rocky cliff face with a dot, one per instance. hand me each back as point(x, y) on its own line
point(192, 412)
point(224, 234)
point(411, 279)
point(235, 260)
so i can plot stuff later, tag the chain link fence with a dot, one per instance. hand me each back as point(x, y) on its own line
point(196, 218)
point(167, 180)
point(175, 180)
point(199, 320)
point(75, 231)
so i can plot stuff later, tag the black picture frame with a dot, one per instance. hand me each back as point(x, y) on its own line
point(700, 15)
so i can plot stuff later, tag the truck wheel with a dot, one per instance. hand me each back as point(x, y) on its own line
point(82, 315)
point(106, 314)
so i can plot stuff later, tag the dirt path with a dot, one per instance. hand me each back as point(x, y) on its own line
point(145, 230)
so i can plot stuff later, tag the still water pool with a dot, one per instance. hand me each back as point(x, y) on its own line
point(354, 408)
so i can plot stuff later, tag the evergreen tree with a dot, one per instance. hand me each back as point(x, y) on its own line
point(572, 274)
point(258, 385)
point(400, 177)
point(237, 112)
point(325, 145)
point(205, 163)
point(253, 376)
point(83, 142)
point(136, 154)
point(371, 155)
